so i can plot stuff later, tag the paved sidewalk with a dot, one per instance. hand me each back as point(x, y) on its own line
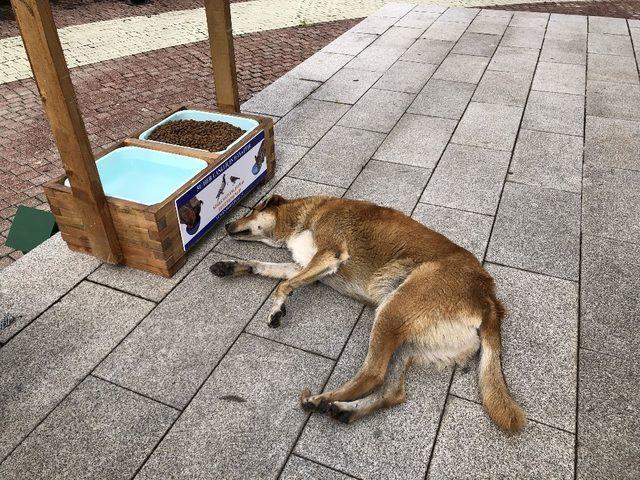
point(485, 125)
point(105, 40)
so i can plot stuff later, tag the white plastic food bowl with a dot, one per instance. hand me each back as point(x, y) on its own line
point(246, 124)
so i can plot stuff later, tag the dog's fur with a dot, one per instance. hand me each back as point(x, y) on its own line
point(434, 300)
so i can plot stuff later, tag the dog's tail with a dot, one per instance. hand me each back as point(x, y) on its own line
point(496, 399)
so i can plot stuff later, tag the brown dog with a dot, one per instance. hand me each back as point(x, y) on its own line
point(435, 302)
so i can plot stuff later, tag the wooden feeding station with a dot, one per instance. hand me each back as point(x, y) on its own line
point(144, 203)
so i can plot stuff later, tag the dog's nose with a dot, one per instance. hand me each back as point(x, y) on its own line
point(227, 227)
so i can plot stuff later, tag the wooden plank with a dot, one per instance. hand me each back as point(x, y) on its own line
point(52, 77)
point(222, 54)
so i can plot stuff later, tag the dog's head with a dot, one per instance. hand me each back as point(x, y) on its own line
point(260, 224)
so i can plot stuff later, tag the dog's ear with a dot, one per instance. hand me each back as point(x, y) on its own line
point(272, 201)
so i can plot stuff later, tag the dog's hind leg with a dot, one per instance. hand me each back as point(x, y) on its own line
point(392, 393)
point(265, 269)
point(322, 264)
point(384, 340)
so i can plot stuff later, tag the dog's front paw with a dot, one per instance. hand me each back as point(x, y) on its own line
point(275, 317)
point(223, 269)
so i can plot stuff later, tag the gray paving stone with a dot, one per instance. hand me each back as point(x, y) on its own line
point(376, 58)
point(154, 287)
point(488, 126)
point(569, 24)
point(468, 178)
point(549, 160)
point(523, 37)
point(539, 346)
point(502, 16)
point(559, 78)
point(608, 422)
point(504, 88)
point(461, 15)
point(338, 157)
point(46, 361)
point(441, 98)
point(467, 433)
point(362, 448)
point(290, 187)
point(399, 37)
point(249, 406)
point(427, 50)
point(461, 68)
point(537, 229)
point(281, 96)
point(554, 112)
point(346, 86)
point(566, 26)
point(405, 145)
point(446, 31)
point(417, 19)
point(612, 143)
point(38, 280)
point(529, 19)
point(375, 24)
point(406, 77)
point(377, 110)
point(610, 68)
point(633, 24)
point(170, 354)
point(488, 27)
point(350, 43)
point(308, 122)
point(514, 59)
point(469, 230)
point(99, 431)
point(611, 203)
point(613, 100)
point(480, 44)
point(571, 49)
point(390, 184)
point(321, 66)
point(612, 26)
point(298, 468)
point(318, 320)
point(610, 282)
point(286, 157)
point(610, 44)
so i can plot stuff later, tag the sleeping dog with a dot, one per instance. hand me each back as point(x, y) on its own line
point(434, 301)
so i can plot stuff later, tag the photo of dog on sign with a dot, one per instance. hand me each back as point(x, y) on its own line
point(189, 215)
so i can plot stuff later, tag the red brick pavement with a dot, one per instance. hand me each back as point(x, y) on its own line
point(120, 96)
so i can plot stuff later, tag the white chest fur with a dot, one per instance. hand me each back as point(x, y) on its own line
point(302, 247)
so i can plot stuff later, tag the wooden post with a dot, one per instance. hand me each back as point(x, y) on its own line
point(222, 55)
point(50, 71)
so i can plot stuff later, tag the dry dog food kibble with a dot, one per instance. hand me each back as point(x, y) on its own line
point(207, 135)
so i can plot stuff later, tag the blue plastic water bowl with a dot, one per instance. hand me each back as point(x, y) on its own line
point(246, 124)
point(145, 176)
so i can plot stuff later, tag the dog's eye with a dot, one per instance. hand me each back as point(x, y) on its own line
point(259, 227)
